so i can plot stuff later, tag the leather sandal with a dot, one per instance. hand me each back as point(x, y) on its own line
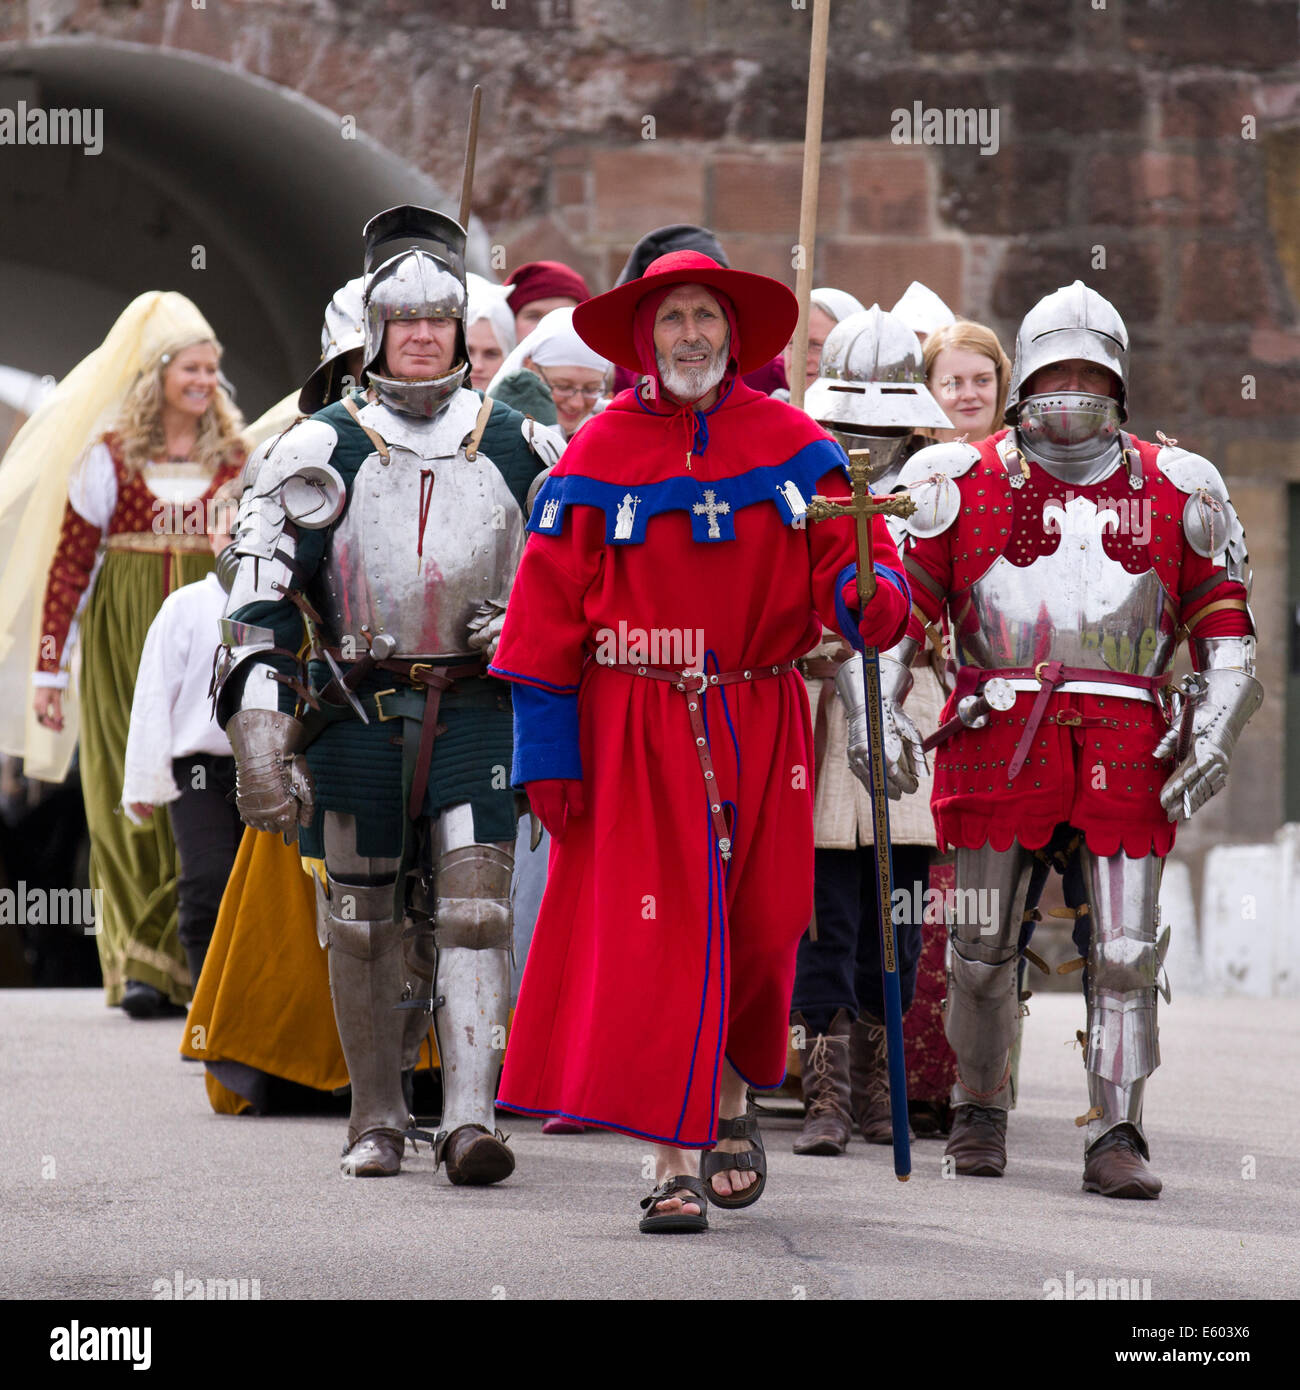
point(754, 1161)
point(667, 1222)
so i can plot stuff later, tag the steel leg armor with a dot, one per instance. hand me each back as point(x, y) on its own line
point(473, 933)
point(983, 1010)
point(367, 982)
point(1124, 961)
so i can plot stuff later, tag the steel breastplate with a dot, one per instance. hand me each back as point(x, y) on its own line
point(1076, 605)
point(425, 539)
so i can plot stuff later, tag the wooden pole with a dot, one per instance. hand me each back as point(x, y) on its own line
point(812, 168)
point(471, 148)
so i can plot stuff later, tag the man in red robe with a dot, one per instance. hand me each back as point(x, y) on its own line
point(663, 736)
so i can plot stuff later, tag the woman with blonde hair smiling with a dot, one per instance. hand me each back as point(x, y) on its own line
point(102, 496)
point(967, 373)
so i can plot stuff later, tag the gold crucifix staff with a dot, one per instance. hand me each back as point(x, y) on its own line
point(862, 506)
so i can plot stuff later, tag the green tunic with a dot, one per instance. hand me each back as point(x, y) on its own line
point(356, 767)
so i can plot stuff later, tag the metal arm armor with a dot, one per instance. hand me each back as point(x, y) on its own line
point(1210, 521)
point(293, 482)
point(293, 486)
point(930, 476)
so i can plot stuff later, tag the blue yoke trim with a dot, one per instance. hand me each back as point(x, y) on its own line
point(628, 508)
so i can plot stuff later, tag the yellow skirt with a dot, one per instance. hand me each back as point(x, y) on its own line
point(264, 996)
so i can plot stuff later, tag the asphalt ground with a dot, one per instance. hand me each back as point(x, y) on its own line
point(115, 1175)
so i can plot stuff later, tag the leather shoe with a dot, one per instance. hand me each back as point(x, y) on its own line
point(376, 1154)
point(1116, 1166)
point(475, 1158)
point(140, 1000)
point(978, 1141)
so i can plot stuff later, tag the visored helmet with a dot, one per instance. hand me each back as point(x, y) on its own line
point(415, 269)
point(1069, 324)
point(872, 377)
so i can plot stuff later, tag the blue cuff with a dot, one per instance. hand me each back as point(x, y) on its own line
point(847, 617)
point(546, 735)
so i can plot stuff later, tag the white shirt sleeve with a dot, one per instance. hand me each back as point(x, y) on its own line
point(147, 775)
point(171, 714)
point(92, 488)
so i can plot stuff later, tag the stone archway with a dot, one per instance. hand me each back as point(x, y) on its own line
point(195, 154)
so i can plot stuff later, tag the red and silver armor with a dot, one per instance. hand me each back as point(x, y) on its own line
point(1070, 565)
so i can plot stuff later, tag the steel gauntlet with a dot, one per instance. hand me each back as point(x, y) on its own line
point(1208, 722)
point(903, 753)
point(273, 788)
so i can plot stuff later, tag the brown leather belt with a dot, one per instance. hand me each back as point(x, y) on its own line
point(822, 668)
point(1049, 675)
point(433, 678)
point(694, 685)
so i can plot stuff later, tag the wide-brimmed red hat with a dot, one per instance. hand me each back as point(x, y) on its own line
point(766, 311)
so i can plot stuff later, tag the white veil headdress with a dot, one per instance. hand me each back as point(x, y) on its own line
point(34, 477)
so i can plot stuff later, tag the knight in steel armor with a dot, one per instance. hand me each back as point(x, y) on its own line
point(1068, 559)
point(392, 522)
point(871, 395)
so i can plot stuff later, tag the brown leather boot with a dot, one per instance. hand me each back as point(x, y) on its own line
point(869, 1073)
point(978, 1141)
point(475, 1158)
point(1116, 1166)
point(826, 1126)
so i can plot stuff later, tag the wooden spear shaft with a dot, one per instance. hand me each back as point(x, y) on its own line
point(812, 168)
point(471, 148)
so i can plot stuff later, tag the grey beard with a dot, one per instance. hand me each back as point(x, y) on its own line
point(690, 383)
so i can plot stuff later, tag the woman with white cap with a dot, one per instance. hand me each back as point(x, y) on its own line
point(826, 307)
point(576, 376)
point(489, 329)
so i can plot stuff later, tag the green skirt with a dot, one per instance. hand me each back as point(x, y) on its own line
point(134, 868)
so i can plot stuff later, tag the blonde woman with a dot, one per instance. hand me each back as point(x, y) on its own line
point(967, 373)
point(133, 529)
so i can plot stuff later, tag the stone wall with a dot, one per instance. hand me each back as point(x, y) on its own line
point(1151, 148)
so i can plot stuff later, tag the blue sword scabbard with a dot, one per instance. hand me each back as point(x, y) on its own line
point(861, 506)
point(884, 904)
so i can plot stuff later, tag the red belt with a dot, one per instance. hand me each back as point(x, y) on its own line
point(694, 684)
point(1048, 674)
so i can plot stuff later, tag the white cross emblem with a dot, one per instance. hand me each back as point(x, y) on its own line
point(713, 509)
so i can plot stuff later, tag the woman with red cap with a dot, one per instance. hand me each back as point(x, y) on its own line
point(671, 539)
point(537, 287)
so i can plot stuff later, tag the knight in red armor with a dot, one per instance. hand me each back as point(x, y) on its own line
point(1069, 559)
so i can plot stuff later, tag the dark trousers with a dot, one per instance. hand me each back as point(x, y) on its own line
point(842, 968)
point(207, 827)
